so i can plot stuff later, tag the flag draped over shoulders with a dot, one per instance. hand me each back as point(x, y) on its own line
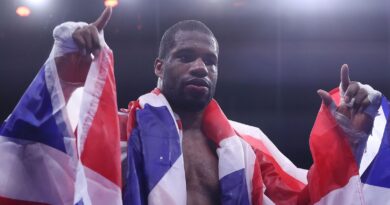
point(251, 169)
point(44, 160)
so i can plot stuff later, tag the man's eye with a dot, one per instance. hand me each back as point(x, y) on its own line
point(209, 61)
point(186, 58)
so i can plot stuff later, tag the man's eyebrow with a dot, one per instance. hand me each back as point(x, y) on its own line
point(184, 50)
point(191, 50)
point(212, 55)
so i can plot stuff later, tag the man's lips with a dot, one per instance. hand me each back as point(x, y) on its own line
point(200, 86)
point(198, 82)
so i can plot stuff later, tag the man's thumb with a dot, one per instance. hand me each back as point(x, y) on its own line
point(103, 19)
point(326, 98)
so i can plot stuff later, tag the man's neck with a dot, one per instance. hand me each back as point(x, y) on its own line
point(190, 119)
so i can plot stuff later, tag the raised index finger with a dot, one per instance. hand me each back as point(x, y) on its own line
point(344, 77)
point(103, 19)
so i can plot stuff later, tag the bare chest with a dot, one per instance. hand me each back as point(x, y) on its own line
point(201, 169)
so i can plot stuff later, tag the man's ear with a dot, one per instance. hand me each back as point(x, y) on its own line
point(158, 68)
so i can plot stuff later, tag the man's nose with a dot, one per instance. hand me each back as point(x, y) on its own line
point(199, 68)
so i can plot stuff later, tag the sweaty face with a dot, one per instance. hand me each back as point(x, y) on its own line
point(190, 71)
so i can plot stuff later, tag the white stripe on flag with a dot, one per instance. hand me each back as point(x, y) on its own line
point(171, 189)
point(283, 161)
point(349, 194)
point(266, 200)
point(376, 194)
point(102, 190)
point(250, 158)
point(374, 141)
point(231, 155)
point(81, 188)
point(91, 97)
point(33, 171)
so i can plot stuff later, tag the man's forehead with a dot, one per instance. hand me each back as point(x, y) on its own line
point(195, 38)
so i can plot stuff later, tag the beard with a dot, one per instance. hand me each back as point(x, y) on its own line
point(191, 102)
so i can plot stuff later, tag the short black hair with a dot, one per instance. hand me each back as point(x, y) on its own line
point(168, 39)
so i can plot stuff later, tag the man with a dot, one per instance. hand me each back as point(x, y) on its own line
point(181, 147)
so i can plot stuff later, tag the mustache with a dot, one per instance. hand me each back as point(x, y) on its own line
point(198, 82)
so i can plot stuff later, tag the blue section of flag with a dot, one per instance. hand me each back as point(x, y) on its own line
point(234, 189)
point(135, 192)
point(378, 173)
point(153, 147)
point(33, 119)
point(160, 142)
point(80, 202)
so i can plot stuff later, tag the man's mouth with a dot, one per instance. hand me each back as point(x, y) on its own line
point(198, 82)
point(197, 85)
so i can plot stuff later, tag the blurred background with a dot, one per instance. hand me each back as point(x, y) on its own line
point(274, 54)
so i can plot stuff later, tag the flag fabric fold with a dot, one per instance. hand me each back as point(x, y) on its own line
point(376, 176)
point(44, 161)
point(334, 175)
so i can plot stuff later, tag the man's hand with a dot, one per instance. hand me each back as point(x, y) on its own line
point(74, 67)
point(87, 38)
point(355, 99)
point(358, 107)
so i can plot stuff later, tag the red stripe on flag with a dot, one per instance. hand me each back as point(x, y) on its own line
point(258, 146)
point(281, 187)
point(215, 124)
point(131, 121)
point(156, 91)
point(257, 185)
point(101, 151)
point(8, 201)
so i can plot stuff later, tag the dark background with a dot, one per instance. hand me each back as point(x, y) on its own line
point(274, 54)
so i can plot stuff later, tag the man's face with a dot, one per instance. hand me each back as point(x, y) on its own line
point(189, 72)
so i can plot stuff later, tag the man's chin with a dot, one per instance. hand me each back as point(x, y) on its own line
point(192, 105)
point(189, 101)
